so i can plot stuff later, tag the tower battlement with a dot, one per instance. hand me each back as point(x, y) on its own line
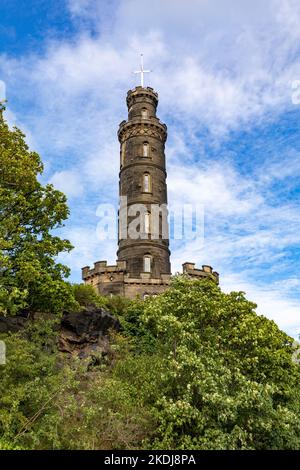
point(205, 272)
point(142, 94)
point(115, 280)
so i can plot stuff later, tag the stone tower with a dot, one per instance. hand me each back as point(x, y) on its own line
point(143, 264)
point(143, 182)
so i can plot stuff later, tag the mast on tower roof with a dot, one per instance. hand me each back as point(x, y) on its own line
point(142, 71)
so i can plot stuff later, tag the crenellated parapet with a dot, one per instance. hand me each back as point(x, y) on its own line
point(206, 272)
point(114, 279)
point(142, 95)
point(103, 267)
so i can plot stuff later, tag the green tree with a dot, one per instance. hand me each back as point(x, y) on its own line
point(223, 376)
point(36, 392)
point(87, 296)
point(29, 211)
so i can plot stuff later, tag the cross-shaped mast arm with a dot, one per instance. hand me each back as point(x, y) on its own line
point(142, 71)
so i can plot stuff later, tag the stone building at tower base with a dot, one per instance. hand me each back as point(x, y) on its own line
point(115, 280)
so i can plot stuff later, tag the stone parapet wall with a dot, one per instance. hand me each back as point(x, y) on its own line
point(115, 280)
point(205, 272)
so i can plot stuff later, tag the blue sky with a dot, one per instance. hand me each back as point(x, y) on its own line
point(224, 72)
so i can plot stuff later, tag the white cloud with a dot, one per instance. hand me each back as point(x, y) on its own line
point(87, 249)
point(205, 84)
point(288, 16)
point(68, 182)
point(218, 187)
point(241, 224)
point(102, 167)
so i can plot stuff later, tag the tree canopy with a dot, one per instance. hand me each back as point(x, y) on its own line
point(29, 212)
point(227, 378)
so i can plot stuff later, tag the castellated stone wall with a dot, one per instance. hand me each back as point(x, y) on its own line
point(114, 280)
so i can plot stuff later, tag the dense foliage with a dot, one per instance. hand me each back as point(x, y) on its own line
point(193, 369)
point(29, 275)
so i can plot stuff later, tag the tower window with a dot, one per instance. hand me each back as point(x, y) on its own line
point(146, 183)
point(144, 113)
point(147, 222)
point(122, 154)
point(145, 149)
point(147, 264)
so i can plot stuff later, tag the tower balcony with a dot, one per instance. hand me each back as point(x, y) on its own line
point(142, 127)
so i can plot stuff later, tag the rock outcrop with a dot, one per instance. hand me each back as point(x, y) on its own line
point(85, 333)
point(12, 324)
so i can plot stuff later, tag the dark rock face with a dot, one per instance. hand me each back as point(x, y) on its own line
point(85, 333)
point(12, 324)
point(90, 323)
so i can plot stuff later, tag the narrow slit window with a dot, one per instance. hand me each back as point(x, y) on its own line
point(122, 154)
point(147, 264)
point(144, 113)
point(146, 183)
point(145, 149)
point(147, 223)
